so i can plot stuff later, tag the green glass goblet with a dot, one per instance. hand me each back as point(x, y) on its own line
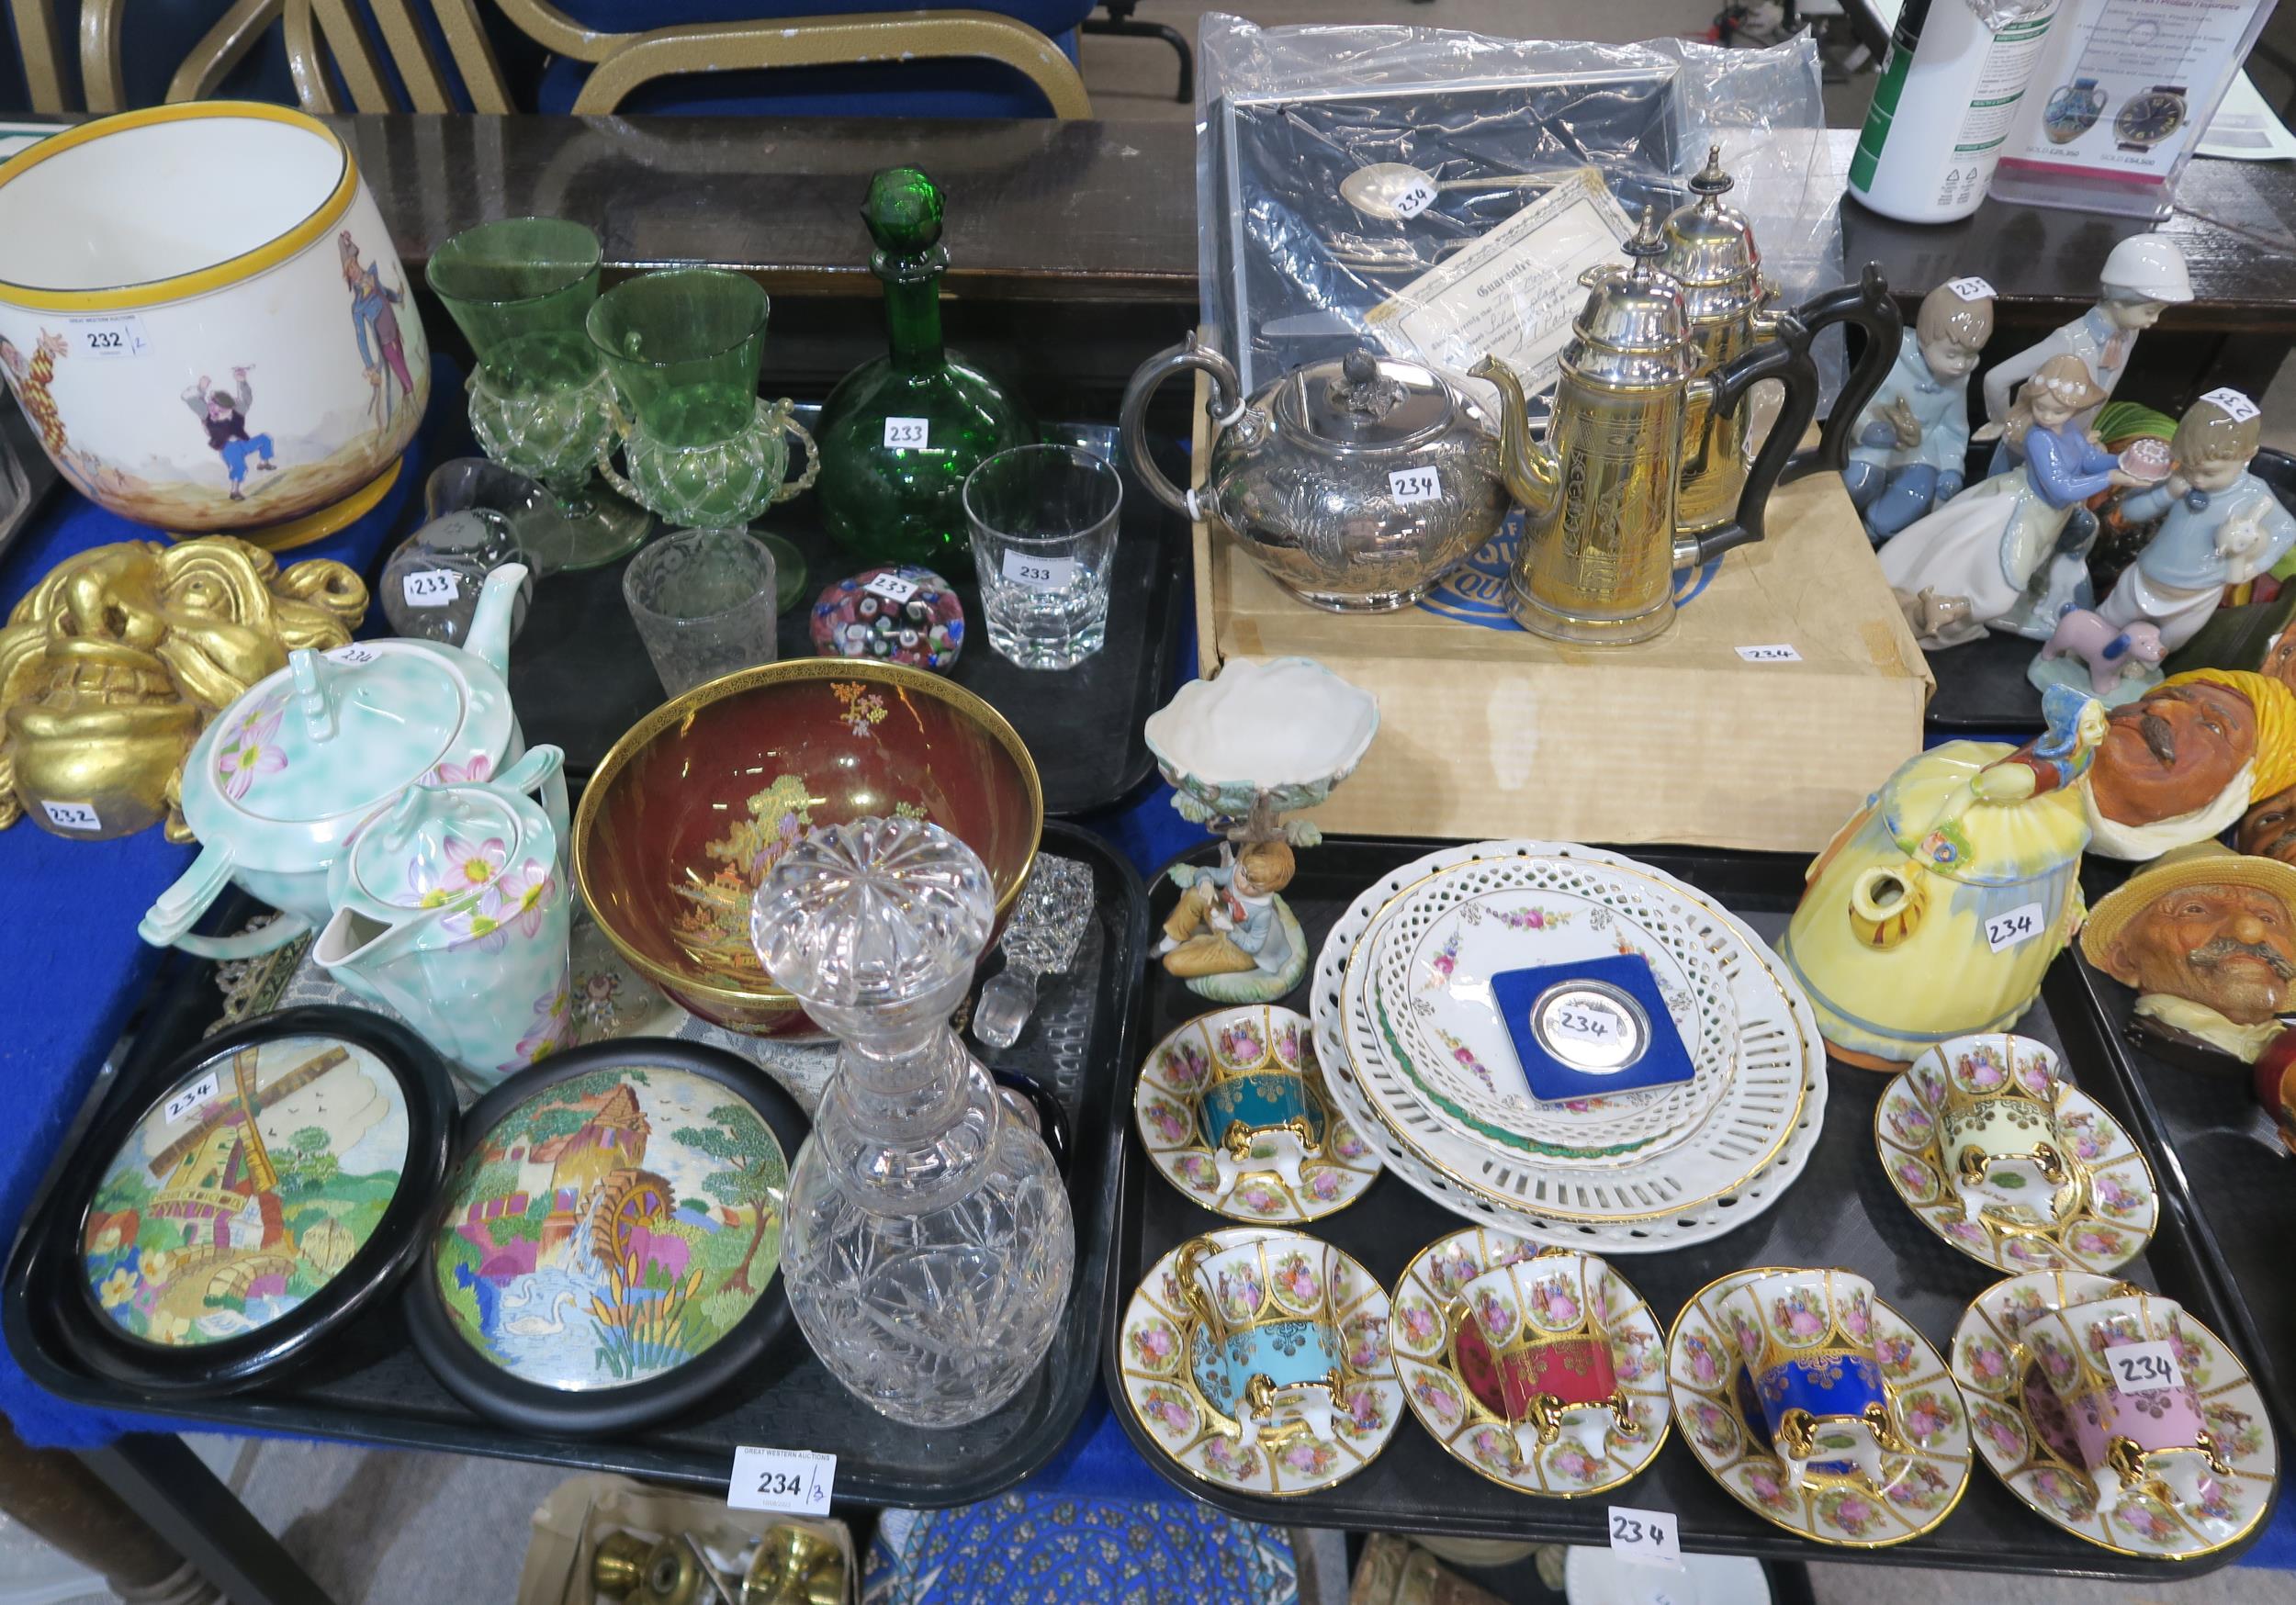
point(540, 399)
point(684, 347)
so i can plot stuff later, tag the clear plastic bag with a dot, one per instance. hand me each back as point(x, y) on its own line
point(1292, 265)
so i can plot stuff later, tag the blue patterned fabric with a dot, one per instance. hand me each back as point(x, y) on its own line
point(1050, 1549)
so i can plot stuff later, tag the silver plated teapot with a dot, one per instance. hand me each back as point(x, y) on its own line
point(1356, 483)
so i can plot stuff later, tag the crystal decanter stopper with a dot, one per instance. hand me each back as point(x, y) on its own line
point(930, 1245)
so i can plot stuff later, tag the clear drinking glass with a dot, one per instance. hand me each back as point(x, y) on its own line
point(929, 1245)
point(1043, 522)
point(705, 604)
point(540, 401)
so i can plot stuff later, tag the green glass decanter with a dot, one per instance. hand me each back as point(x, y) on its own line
point(900, 433)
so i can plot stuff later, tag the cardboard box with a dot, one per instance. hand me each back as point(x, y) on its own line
point(1492, 731)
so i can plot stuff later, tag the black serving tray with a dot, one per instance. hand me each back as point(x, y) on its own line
point(2221, 1166)
point(1982, 688)
point(370, 1388)
point(579, 675)
point(1840, 1212)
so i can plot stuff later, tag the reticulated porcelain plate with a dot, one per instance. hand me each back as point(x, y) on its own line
point(1157, 1343)
point(1424, 1339)
point(1736, 1162)
point(1435, 949)
point(2114, 1209)
point(1715, 1408)
point(2030, 1446)
point(1267, 1187)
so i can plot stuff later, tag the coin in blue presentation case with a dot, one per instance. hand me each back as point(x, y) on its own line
point(1591, 1026)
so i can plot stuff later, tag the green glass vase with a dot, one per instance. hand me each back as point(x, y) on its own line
point(901, 432)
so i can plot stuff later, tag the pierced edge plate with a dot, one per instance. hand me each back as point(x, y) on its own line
point(1151, 1350)
point(1395, 950)
point(1730, 938)
point(1755, 1116)
point(1703, 1367)
point(1985, 1364)
point(1419, 1339)
point(2089, 1239)
point(1327, 1184)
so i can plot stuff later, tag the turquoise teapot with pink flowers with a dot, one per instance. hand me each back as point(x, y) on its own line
point(281, 779)
point(451, 910)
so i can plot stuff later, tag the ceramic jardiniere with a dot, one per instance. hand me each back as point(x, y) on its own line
point(2000, 1141)
point(452, 909)
point(202, 315)
point(281, 779)
point(2136, 1424)
point(1265, 1351)
point(1527, 1344)
point(1806, 1339)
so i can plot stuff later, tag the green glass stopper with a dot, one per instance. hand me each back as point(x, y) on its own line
point(902, 212)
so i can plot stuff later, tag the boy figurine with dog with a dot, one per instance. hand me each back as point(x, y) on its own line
point(2219, 525)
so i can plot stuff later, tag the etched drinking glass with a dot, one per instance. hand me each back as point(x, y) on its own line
point(705, 603)
point(540, 399)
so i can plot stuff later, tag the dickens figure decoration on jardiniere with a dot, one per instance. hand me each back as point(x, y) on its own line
point(1934, 912)
point(112, 666)
point(1261, 741)
point(1911, 453)
point(2206, 937)
point(2188, 759)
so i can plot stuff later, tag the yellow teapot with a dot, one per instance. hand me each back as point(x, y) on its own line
point(1933, 913)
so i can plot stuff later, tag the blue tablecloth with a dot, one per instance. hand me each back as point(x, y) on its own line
point(79, 970)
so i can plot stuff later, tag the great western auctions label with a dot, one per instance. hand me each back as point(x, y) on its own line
point(796, 1482)
point(107, 338)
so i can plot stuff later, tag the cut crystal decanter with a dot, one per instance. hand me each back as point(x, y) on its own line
point(930, 1245)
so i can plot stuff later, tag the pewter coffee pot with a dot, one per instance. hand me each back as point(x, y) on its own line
point(1356, 483)
point(1599, 546)
point(1711, 252)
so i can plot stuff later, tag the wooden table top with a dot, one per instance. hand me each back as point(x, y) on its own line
point(1105, 211)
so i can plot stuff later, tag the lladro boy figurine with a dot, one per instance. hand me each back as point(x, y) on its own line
point(1912, 444)
point(2140, 276)
point(2222, 524)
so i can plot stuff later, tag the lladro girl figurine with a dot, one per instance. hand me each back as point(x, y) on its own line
point(1909, 453)
point(1988, 543)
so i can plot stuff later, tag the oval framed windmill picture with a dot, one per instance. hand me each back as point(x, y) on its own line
point(269, 1188)
point(607, 1248)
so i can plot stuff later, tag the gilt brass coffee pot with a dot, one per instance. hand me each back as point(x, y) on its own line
point(1711, 252)
point(1599, 549)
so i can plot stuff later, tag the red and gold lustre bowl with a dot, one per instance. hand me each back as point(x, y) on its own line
point(701, 798)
